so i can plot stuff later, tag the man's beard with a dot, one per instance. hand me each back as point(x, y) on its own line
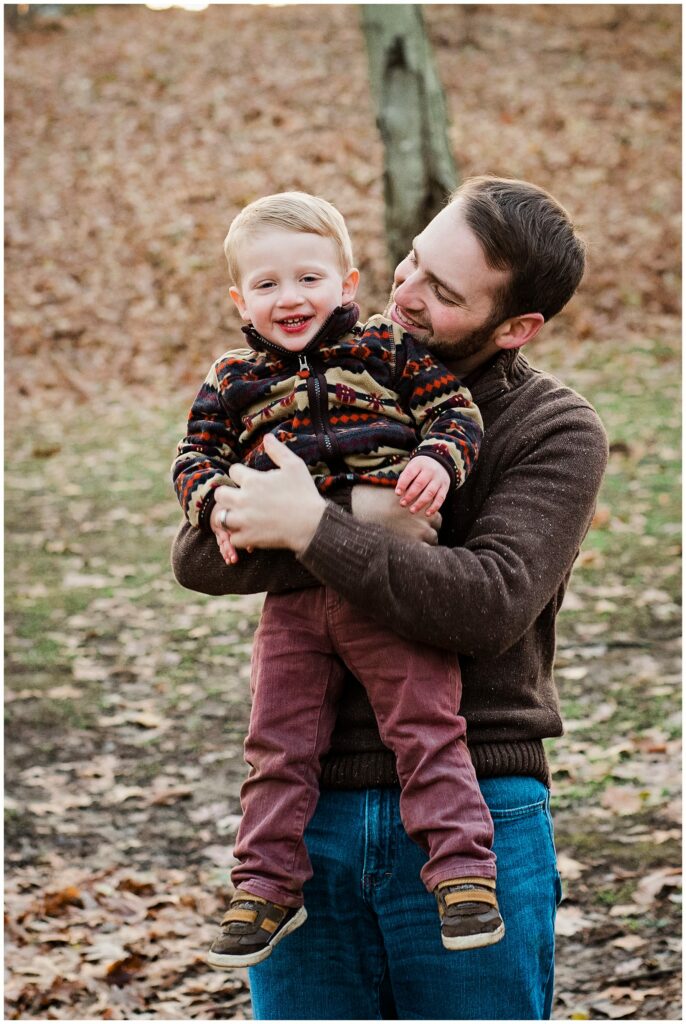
point(461, 348)
point(465, 347)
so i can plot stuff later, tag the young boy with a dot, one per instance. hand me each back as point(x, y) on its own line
point(357, 404)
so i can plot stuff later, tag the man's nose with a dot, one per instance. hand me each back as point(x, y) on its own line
point(406, 280)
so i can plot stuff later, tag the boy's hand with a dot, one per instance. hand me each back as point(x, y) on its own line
point(228, 551)
point(423, 484)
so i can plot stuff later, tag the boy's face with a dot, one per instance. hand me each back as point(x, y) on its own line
point(290, 283)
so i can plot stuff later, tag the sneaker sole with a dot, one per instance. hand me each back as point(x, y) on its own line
point(228, 960)
point(473, 941)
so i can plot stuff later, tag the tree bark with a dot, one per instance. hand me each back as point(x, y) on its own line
point(419, 169)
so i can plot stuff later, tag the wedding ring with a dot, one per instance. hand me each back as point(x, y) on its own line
point(222, 517)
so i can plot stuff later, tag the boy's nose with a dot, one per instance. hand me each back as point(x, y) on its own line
point(290, 296)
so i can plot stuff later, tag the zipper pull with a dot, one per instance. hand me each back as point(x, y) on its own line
point(304, 366)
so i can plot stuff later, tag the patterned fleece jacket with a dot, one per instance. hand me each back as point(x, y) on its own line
point(355, 404)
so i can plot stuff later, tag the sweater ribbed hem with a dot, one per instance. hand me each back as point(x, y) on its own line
point(377, 768)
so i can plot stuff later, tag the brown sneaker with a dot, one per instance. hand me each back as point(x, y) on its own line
point(469, 913)
point(250, 929)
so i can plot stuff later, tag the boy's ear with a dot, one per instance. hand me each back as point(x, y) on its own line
point(238, 301)
point(517, 331)
point(350, 283)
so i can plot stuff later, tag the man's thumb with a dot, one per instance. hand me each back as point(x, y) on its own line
point(277, 451)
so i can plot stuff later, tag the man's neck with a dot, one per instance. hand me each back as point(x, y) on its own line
point(468, 365)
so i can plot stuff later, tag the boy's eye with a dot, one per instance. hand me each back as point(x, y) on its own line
point(265, 284)
point(310, 278)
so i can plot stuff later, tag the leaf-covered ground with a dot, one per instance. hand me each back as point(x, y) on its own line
point(132, 139)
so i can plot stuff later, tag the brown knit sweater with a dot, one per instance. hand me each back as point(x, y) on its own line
point(490, 591)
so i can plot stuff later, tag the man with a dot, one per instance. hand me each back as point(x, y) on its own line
point(481, 280)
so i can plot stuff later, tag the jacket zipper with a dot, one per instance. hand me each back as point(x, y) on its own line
point(317, 394)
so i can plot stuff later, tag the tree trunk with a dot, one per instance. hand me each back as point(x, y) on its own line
point(419, 169)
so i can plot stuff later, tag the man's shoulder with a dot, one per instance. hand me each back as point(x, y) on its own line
point(557, 390)
point(542, 399)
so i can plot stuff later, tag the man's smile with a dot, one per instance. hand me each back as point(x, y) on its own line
point(403, 318)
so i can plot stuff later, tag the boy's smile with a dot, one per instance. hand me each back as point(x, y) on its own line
point(291, 281)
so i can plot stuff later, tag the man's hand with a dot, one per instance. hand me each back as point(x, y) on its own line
point(279, 508)
point(380, 505)
point(423, 484)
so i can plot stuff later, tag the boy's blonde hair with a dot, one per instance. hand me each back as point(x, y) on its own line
point(289, 211)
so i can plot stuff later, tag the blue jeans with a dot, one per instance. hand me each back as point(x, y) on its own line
point(371, 947)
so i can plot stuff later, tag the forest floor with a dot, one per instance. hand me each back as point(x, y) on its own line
point(133, 136)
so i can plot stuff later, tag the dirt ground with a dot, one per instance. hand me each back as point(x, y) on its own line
point(132, 137)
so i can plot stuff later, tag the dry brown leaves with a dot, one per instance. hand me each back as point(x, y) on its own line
point(114, 944)
point(133, 137)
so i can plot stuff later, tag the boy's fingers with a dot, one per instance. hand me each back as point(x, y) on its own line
point(438, 500)
point(406, 478)
point(416, 488)
point(426, 497)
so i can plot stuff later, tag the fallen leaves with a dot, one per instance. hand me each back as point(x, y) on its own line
point(70, 948)
point(650, 887)
point(571, 920)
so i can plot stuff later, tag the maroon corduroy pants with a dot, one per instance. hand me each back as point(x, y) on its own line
point(300, 644)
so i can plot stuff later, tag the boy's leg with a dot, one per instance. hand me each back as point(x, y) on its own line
point(295, 682)
point(415, 692)
point(370, 948)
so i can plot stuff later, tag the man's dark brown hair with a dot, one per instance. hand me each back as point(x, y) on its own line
point(521, 228)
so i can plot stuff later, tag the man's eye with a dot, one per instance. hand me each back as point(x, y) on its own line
point(444, 298)
point(411, 256)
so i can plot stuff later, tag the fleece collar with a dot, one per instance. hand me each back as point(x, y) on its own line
point(338, 323)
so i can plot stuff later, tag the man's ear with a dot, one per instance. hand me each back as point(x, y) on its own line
point(239, 303)
point(518, 330)
point(350, 283)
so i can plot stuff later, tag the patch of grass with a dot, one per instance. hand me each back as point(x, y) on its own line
point(618, 894)
point(49, 716)
point(636, 390)
point(587, 846)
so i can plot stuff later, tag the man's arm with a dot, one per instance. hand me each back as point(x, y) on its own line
point(480, 598)
point(198, 565)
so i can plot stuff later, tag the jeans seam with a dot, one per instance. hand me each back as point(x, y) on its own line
point(513, 813)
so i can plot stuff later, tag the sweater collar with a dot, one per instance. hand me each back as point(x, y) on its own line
point(501, 374)
point(338, 323)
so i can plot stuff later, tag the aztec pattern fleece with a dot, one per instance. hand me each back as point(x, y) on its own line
point(356, 404)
